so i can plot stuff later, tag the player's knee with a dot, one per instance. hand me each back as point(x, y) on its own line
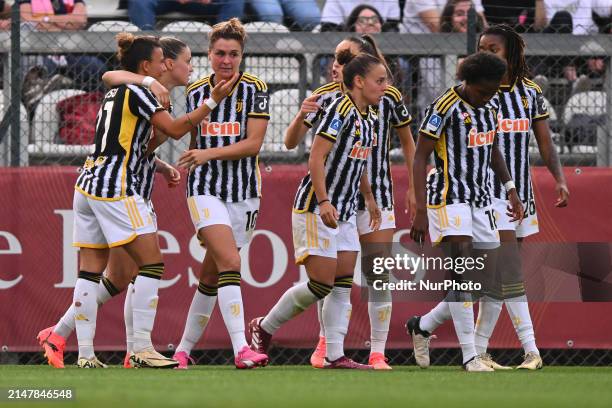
point(229, 263)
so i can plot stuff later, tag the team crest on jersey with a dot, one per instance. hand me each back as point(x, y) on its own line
point(239, 106)
point(220, 128)
point(525, 102)
point(478, 139)
point(358, 152)
point(467, 119)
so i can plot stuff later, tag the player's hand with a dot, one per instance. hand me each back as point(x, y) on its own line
point(161, 93)
point(563, 193)
point(515, 209)
point(190, 159)
point(375, 213)
point(172, 175)
point(419, 227)
point(410, 203)
point(223, 88)
point(309, 105)
point(329, 215)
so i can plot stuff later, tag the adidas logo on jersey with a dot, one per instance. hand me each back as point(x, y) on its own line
point(358, 152)
point(220, 128)
point(477, 139)
point(512, 125)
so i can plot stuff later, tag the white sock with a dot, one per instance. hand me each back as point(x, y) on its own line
point(462, 312)
point(320, 317)
point(202, 306)
point(488, 313)
point(293, 302)
point(144, 304)
point(436, 316)
point(379, 310)
point(518, 309)
point(230, 304)
point(86, 308)
point(128, 318)
point(65, 325)
point(336, 316)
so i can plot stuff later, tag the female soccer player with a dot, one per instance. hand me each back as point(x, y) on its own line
point(110, 213)
point(121, 268)
point(391, 114)
point(224, 188)
point(461, 129)
point(324, 212)
point(521, 108)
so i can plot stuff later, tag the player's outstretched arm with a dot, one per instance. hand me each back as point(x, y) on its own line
point(297, 129)
point(425, 145)
point(112, 79)
point(547, 149)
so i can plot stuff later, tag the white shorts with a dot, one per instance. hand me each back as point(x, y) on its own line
point(529, 226)
point(463, 219)
point(108, 224)
point(240, 216)
point(312, 237)
point(363, 221)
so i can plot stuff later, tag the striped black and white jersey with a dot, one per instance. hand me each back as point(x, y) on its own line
point(517, 108)
point(123, 131)
point(146, 174)
point(228, 180)
point(328, 93)
point(352, 133)
point(464, 138)
point(391, 113)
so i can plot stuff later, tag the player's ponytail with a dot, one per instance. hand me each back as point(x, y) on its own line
point(133, 49)
point(367, 44)
point(231, 29)
point(360, 65)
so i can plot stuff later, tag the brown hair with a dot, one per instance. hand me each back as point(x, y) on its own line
point(231, 29)
point(172, 47)
point(359, 65)
point(133, 49)
point(366, 45)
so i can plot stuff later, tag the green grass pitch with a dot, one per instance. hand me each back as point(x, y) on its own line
point(301, 386)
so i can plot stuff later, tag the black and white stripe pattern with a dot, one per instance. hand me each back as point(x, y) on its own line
point(518, 107)
point(391, 113)
point(328, 93)
point(464, 138)
point(229, 180)
point(352, 133)
point(123, 131)
point(146, 174)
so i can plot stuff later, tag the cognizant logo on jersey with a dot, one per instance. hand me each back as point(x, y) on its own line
point(220, 128)
point(477, 139)
point(358, 152)
point(512, 125)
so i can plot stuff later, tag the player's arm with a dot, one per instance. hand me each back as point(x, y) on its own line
point(408, 148)
point(177, 128)
point(549, 155)
point(297, 128)
point(321, 147)
point(365, 188)
point(158, 139)
point(425, 145)
point(172, 175)
point(498, 164)
point(112, 79)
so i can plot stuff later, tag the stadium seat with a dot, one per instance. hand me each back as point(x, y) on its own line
point(284, 105)
point(584, 114)
point(112, 26)
point(45, 127)
point(272, 70)
point(187, 27)
point(24, 133)
point(104, 9)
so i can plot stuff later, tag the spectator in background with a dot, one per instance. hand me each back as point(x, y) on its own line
point(454, 18)
point(5, 14)
point(336, 12)
point(568, 16)
point(303, 14)
point(423, 16)
point(143, 13)
point(602, 15)
point(45, 74)
point(522, 15)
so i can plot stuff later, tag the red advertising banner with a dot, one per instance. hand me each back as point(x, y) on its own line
point(38, 265)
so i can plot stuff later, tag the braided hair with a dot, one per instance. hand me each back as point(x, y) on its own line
point(515, 50)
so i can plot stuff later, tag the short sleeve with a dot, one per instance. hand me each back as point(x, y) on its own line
point(331, 124)
point(433, 123)
point(142, 102)
point(260, 104)
point(400, 115)
point(540, 110)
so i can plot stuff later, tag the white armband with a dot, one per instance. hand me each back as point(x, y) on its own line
point(147, 82)
point(210, 102)
point(509, 185)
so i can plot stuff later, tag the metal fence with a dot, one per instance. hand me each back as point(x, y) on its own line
point(40, 69)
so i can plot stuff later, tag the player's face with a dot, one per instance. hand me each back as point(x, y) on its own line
point(459, 18)
point(374, 84)
point(225, 57)
point(155, 66)
point(344, 45)
point(494, 44)
point(180, 68)
point(481, 92)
